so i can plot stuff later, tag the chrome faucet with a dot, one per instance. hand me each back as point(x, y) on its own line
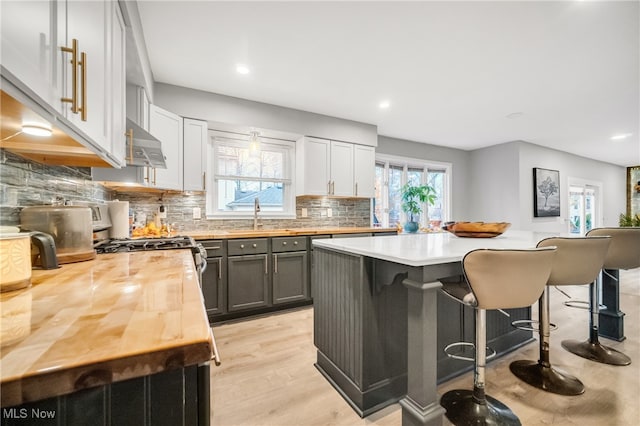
point(256, 209)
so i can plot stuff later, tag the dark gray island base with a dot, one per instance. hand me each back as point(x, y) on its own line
point(380, 328)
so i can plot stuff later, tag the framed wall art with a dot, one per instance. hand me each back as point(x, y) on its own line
point(546, 192)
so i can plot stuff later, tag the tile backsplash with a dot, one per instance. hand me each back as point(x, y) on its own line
point(346, 212)
point(26, 183)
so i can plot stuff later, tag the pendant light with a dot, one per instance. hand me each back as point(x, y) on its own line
point(254, 144)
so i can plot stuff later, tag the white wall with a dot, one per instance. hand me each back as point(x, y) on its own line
point(492, 189)
point(457, 157)
point(612, 177)
point(235, 111)
point(501, 185)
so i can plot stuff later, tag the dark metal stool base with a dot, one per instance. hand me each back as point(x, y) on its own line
point(596, 352)
point(546, 378)
point(464, 409)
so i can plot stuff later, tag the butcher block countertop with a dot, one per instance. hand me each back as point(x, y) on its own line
point(117, 317)
point(250, 233)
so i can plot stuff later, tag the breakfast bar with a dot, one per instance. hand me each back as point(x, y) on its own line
point(380, 323)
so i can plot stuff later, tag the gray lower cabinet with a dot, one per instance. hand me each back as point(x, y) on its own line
point(290, 277)
point(214, 288)
point(214, 277)
point(248, 282)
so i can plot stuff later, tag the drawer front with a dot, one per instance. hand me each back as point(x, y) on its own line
point(285, 244)
point(248, 246)
point(215, 248)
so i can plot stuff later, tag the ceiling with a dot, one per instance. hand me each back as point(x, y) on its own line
point(454, 73)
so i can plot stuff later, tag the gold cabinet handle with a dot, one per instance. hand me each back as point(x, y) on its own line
point(275, 263)
point(73, 100)
point(83, 87)
point(204, 181)
point(154, 176)
point(129, 134)
point(219, 268)
point(356, 188)
point(329, 188)
point(266, 268)
point(146, 174)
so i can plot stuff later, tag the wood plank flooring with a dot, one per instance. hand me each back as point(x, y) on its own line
point(267, 375)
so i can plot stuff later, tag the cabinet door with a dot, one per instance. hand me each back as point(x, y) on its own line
point(30, 48)
point(316, 167)
point(167, 127)
point(118, 84)
point(342, 169)
point(290, 272)
point(248, 282)
point(87, 22)
point(195, 144)
point(214, 281)
point(364, 164)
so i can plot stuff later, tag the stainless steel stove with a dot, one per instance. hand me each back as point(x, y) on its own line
point(116, 245)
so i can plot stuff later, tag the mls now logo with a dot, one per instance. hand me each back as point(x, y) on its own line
point(23, 413)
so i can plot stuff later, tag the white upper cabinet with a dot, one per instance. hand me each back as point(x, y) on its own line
point(364, 173)
point(87, 25)
point(138, 104)
point(195, 150)
point(167, 127)
point(342, 169)
point(118, 79)
point(326, 167)
point(313, 167)
point(67, 58)
point(30, 48)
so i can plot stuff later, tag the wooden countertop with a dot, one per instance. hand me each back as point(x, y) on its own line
point(250, 233)
point(119, 316)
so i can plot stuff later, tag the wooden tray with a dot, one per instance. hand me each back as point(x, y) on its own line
point(476, 229)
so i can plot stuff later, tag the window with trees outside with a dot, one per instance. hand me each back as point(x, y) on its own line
point(391, 175)
point(242, 173)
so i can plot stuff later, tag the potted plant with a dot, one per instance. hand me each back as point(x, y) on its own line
point(413, 198)
point(629, 220)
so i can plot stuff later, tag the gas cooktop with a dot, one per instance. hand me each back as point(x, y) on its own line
point(141, 244)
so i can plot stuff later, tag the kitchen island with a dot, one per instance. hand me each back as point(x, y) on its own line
point(378, 317)
point(121, 339)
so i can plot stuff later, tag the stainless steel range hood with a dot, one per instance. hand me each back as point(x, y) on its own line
point(145, 150)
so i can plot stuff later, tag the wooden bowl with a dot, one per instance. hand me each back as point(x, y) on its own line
point(476, 229)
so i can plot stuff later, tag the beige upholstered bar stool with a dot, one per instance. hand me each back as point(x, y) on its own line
point(494, 279)
point(578, 261)
point(624, 253)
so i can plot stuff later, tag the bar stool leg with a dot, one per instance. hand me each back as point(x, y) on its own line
point(465, 407)
point(541, 374)
point(592, 349)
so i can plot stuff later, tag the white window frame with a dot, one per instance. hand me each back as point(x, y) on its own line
point(216, 137)
point(413, 163)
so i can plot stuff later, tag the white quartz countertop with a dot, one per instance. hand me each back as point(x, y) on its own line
point(429, 248)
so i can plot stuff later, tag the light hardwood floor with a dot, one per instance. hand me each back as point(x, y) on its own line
point(267, 375)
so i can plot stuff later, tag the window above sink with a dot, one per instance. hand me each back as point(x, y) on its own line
point(241, 171)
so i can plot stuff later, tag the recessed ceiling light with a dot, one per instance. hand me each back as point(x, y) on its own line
point(515, 115)
point(36, 129)
point(242, 69)
point(384, 105)
point(620, 136)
